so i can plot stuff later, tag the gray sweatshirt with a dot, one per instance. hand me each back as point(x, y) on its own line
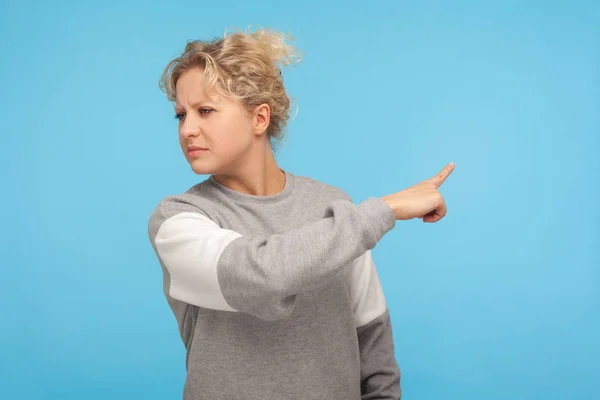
point(277, 297)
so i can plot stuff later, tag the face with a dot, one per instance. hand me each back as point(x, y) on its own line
point(216, 133)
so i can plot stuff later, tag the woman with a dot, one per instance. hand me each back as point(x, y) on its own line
point(269, 274)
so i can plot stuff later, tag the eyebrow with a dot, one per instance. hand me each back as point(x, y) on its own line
point(205, 101)
point(195, 104)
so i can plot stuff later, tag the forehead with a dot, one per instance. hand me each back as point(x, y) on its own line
point(192, 90)
point(192, 86)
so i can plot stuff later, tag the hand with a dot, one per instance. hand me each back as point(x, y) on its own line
point(422, 200)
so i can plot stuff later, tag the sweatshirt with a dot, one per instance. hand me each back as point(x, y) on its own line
point(277, 297)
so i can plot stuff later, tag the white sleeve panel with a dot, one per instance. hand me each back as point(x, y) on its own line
point(368, 300)
point(190, 245)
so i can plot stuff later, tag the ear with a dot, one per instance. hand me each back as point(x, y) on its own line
point(262, 117)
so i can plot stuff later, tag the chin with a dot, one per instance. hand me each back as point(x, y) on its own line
point(202, 168)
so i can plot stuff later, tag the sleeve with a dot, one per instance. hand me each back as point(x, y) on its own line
point(220, 269)
point(380, 373)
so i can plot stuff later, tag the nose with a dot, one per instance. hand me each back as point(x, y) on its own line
point(190, 127)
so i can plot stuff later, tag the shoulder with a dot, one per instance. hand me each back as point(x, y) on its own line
point(321, 189)
point(194, 201)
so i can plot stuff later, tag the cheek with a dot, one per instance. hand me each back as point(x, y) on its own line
point(233, 137)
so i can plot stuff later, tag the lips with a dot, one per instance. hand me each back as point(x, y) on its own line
point(196, 151)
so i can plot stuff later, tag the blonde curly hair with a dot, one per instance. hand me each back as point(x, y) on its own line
point(244, 65)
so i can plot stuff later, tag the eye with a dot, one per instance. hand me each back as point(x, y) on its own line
point(179, 116)
point(205, 111)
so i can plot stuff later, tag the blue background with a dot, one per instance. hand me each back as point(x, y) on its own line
point(499, 300)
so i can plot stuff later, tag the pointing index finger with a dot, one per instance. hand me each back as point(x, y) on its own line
point(443, 174)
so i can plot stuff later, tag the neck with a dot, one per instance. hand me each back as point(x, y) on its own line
point(260, 177)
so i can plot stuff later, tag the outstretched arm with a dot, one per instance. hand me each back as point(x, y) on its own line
point(220, 269)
